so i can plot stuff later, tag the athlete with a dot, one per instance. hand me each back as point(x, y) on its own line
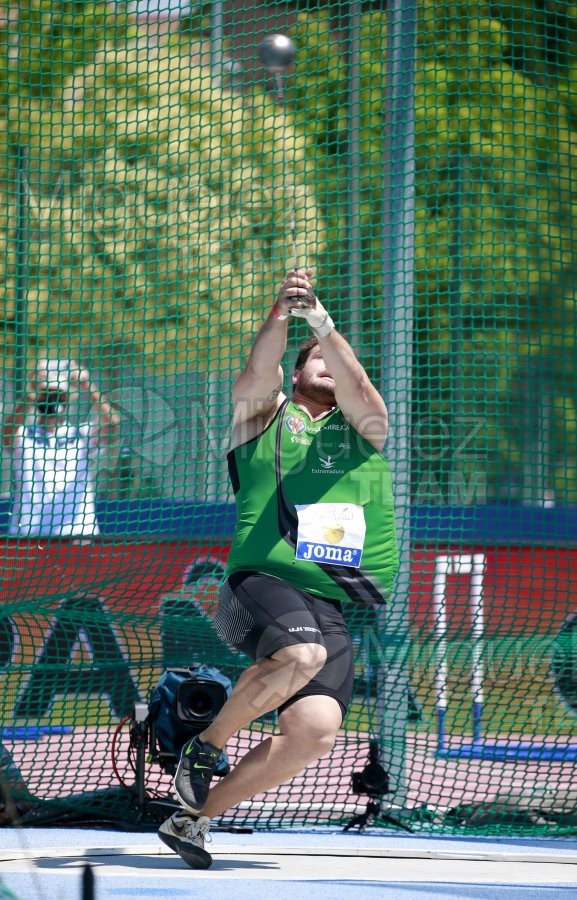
point(315, 528)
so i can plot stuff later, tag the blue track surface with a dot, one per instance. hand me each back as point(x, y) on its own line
point(320, 864)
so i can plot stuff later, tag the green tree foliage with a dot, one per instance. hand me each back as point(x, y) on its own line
point(161, 223)
point(55, 38)
point(495, 227)
point(542, 34)
point(165, 232)
point(41, 44)
point(505, 276)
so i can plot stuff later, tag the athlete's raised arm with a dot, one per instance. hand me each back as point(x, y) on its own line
point(257, 392)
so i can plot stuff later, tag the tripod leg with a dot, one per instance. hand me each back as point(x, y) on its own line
point(361, 820)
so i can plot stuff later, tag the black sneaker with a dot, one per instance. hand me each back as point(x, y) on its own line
point(192, 780)
point(186, 836)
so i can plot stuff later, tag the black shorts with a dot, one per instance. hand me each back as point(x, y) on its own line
point(260, 614)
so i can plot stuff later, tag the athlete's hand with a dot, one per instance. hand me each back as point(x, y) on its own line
point(317, 317)
point(293, 294)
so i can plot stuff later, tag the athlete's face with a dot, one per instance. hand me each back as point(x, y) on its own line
point(314, 381)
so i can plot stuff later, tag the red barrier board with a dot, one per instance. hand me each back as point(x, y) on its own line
point(78, 608)
point(130, 575)
point(525, 589)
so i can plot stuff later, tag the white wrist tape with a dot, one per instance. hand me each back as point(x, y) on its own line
point(326, 326)
point(317, 317)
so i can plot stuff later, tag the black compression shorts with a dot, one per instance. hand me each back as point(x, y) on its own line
point(260, 614)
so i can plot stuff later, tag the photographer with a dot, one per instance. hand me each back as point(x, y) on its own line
point(52, 456)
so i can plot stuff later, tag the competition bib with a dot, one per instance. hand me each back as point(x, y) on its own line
point(331, 533)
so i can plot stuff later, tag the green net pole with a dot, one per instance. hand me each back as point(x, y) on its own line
point(536, 417)
point(22, 238)
point(459, 165)
point(216, 41)
point(354, 218)
point(398, 244)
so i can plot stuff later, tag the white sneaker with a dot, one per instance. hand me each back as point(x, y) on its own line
point(186, 834)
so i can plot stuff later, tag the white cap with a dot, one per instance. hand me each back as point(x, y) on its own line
point(54, 374)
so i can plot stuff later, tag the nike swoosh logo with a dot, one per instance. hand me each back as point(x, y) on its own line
point(196, 766)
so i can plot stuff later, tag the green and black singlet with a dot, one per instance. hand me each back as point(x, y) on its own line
point(315, 508)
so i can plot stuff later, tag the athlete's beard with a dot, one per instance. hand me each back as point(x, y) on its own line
point(317, 391)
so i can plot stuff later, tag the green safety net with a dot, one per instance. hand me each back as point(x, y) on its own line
point(152, 173)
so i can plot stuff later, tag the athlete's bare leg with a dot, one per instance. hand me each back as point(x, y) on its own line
point(307, 731)
point(264, 686)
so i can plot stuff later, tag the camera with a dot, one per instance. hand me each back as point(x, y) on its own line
point(52, 403)
point(53, 387)
point(183, 703)
point(373, 779)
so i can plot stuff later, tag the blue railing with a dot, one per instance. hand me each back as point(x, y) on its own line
point(489, 524)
